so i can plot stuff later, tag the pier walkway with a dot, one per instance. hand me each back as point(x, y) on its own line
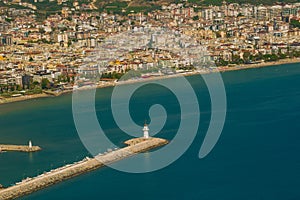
point(21, 148)
point(30, 185)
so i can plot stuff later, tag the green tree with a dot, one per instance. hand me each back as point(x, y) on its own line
point(195, 18)
point(281, 55)
point(45, 83)
point(295, 23)
point(236, 59)
point(222, 62)
point(19, 88)
point(42, 30)
point(246, 56)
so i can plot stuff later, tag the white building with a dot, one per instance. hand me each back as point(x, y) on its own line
point(146, 131)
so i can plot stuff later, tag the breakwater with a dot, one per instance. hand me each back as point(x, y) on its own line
point(30, 185)
point(21, 148)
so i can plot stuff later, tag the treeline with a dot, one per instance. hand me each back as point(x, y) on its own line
point(35, 87)
point(257, 2)
point(113, 75)
point(46, 7)
point(123, 75)
point(248, 58)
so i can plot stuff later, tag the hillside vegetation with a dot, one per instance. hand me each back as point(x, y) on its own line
point(120, 6)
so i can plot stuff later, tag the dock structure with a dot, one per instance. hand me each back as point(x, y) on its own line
point(20, 148)
point(30, 185)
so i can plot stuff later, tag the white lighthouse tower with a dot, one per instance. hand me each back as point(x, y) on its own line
point(146, 131)
point(30, 144)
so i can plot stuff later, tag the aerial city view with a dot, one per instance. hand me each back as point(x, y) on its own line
point(146, 99)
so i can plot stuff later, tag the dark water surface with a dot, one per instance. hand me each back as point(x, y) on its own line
point(257, 156)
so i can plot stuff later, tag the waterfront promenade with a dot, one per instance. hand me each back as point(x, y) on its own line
point(30, 185)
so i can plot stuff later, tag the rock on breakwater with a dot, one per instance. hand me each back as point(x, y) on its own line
point(30, 185)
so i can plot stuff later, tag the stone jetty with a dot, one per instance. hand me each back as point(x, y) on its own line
point(21, 148)
point(30, 185)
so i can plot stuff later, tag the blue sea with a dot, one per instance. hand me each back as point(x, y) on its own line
point(257, 156)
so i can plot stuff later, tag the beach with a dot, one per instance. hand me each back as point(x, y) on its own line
point(263, 64)
point(23, 98)
point(111, 84)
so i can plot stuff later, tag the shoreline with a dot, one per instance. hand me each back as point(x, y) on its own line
point(221, 69)
point(260, 65)
point(23, 98)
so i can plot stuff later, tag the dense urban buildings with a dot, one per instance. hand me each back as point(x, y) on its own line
point(48, 53)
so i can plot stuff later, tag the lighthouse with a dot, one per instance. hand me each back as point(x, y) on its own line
point(30, 144)
point(146, 131)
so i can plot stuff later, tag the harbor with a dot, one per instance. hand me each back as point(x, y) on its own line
point(19, 148)
point(54, 176)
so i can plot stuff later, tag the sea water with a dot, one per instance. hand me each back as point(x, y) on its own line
point(256, 157)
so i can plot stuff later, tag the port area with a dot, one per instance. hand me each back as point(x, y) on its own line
point(20, 148)
point(54, 176)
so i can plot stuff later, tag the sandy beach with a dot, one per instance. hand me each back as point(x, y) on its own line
point(264, 64)
point(111, 84)
point(23, 98)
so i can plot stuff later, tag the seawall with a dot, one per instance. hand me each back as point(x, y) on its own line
point(22, 148)
point(30, 185)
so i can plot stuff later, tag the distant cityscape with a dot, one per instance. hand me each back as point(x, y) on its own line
point(47, 55)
